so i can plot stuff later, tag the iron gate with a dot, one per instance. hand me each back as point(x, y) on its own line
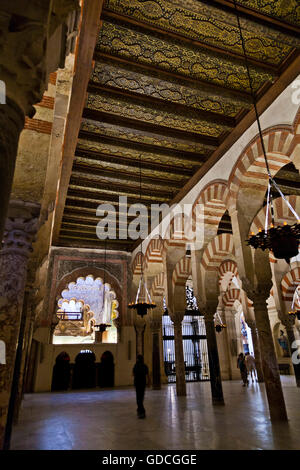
point(194, 348)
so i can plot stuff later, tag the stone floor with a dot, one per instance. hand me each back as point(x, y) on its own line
point(106, 419)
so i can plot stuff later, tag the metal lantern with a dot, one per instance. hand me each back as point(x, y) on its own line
point(142, 307)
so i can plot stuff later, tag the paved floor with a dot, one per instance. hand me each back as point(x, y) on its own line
point(107, 419)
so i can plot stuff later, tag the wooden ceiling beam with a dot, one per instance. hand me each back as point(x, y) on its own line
point(103, 197)
point(149, 127)
point(134, 163)
point(176, 108)
point(121, 189)
point(213, 87)
point(84, 170)
point(255, 15)
point(193, 157)
point(108, 14)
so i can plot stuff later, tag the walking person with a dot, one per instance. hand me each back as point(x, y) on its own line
point(241, 363)
point(251, 367)
point(141, 379)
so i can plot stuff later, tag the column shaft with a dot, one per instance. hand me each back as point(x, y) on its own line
point(269, 361)
point(179, 358)
point(214, 364)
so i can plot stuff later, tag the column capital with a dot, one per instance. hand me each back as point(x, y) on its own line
point(259, 293)
point(177, 317)
point(287, 320)
point(155, 324)
point(139, 323)
point(19, 234)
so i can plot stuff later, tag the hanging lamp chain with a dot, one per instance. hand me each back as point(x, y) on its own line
point(272, 182)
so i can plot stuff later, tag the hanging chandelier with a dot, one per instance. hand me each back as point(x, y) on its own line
point(282, 240)
point(140, 306)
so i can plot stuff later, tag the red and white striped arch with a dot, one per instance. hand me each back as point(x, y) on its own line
point(228, 266)
point(157, 287)
point(281, 213)
point(230, 296)
point(137, 263)
point(182, 271)
point(213, 197)
point(221, 246)
point(250, 169)
point(289, 283)
point(154, 251)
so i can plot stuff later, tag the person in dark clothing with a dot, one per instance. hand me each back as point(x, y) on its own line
point(141, 379)
point(241, 363)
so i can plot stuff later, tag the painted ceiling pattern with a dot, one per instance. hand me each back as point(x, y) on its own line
point(168, 86)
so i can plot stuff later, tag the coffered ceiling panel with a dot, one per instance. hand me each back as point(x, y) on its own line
point(168, 89)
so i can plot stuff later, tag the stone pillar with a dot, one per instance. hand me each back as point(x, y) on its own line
point(268, 356)
point(177, 318)
point(252, 326)
point(213, 357)
point(289, 321)
point(155, 326)
point(11, 123)
point(139, 325)
point(17, 245)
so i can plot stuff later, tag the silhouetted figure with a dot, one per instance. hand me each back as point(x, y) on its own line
point(241, 363)
point(251, 367)
point(61, 373)
point(141, 378)
point(106, 370)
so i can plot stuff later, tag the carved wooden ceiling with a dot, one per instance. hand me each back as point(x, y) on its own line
point(169, 86)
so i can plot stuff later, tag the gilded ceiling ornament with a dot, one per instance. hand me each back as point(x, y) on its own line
point(204, 26)
point(197, 97)
point(153, 114)
point(173, 56)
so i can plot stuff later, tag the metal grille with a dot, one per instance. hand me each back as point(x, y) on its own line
point(194, 348)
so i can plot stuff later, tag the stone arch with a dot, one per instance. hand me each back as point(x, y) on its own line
point(154, 252)
point(157, 287)
point(249, 172)
point(213, 197)
point(289, 283)
point(83, 273)
point(230, 296)
point(137, 263)
point(221, 246)
point(282, 213)
point(182, 271)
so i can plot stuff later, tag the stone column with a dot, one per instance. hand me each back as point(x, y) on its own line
point(268, 356)
point(213, 357)
point(252, 326)
point(289, 321)
point(17, 245)
point(11, 123)
point(155, 326)
point(177, 318)
point(139, 325)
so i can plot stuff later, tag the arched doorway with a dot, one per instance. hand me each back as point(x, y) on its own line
point(61, 372)
point(84, 375)
point(106, 371)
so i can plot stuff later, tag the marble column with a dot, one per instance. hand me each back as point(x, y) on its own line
point(17, 245)
point(269, 361)
point(139, 325)
point(155, 326)
point(213, 358)
point(254, 335)
point(289, 321)
point(177, 318)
